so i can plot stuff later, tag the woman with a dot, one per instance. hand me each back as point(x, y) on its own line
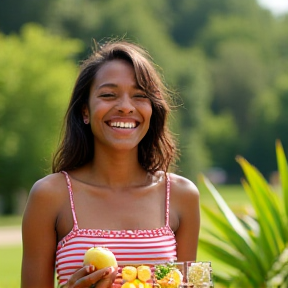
point(110, 184)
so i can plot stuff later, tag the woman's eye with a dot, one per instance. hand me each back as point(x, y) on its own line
point(107, 95)
point(140, 96)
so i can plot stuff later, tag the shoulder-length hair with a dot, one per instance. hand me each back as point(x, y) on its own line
point(156, 151)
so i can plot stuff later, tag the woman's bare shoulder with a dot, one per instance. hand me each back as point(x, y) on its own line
point(46, 200)
point(51, 186)
point(183, 186)
point(184, 208)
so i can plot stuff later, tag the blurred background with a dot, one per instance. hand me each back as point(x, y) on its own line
point(226, 59)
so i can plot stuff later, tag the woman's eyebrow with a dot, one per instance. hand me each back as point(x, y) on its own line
point(113, 85)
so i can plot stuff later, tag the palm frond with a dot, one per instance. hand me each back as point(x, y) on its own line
point(283, 173)
point(251, 244)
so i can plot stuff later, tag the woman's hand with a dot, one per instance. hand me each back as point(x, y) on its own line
point(88, 277)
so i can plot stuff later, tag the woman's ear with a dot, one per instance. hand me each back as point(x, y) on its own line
point(85, 114)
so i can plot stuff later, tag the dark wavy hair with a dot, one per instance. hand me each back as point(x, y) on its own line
point(157, 150)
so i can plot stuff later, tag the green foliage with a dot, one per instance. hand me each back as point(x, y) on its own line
point(37, 71)
point(193, 81)
point(221, 134)
point(278, 275)
point(252, 244)
point(15, 13)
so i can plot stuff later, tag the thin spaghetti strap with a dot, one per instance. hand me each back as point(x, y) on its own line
point(167, 199)
point(71, 199)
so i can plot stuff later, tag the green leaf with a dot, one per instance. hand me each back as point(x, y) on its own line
point(232, 257)
point(233, 230)
point(283, 172)
point(263, 238)
point(225, 230)
point(265, 204)
point(229, 215)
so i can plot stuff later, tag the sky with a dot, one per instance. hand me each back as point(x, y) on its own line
point(277, 7)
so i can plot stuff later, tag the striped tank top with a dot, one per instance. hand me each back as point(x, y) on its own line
point(129, 246)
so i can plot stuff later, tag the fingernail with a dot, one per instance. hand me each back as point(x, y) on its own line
point(90, 268)
point(112, 269)
point(109, 271)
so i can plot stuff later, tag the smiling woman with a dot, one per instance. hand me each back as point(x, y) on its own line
point(145, 82)
point(111, 185)
point(118, 110)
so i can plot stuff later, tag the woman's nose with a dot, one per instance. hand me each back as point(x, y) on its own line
point(125, 105)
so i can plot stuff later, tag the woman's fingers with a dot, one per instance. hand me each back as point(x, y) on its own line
point(79, 274)
point(108, 279)
point(87, 276)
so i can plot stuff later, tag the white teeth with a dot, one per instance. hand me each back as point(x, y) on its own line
point(123, 125)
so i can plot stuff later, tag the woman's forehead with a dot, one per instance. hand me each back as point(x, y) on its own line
point(116, 73)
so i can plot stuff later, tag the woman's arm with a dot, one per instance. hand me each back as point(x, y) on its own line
point(39, 237)
point(185, 204)
point(46, 199)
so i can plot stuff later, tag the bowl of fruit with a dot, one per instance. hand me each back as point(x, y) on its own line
point(164, 275)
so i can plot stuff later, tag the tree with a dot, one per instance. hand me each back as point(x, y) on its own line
point(15, 13)
point(37, 72)
point(192, 117)
point(243, 48)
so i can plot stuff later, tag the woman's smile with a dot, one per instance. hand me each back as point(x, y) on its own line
point(123, 124)
point(123, 127)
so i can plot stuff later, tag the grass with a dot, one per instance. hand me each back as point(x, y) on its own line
point(10, 266)
point(10, 259)
point(234, 195)
point(14, 220)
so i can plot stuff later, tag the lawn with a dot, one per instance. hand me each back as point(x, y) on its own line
point(234, 195)
point(10, 266)
point(10, 221)
point(10, 257)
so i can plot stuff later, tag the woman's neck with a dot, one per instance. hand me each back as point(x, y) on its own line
point(117, 170)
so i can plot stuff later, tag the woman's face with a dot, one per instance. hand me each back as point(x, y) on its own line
point(118, 110)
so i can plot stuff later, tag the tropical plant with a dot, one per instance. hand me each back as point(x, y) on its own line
point(278, 275)
point(252, 245)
